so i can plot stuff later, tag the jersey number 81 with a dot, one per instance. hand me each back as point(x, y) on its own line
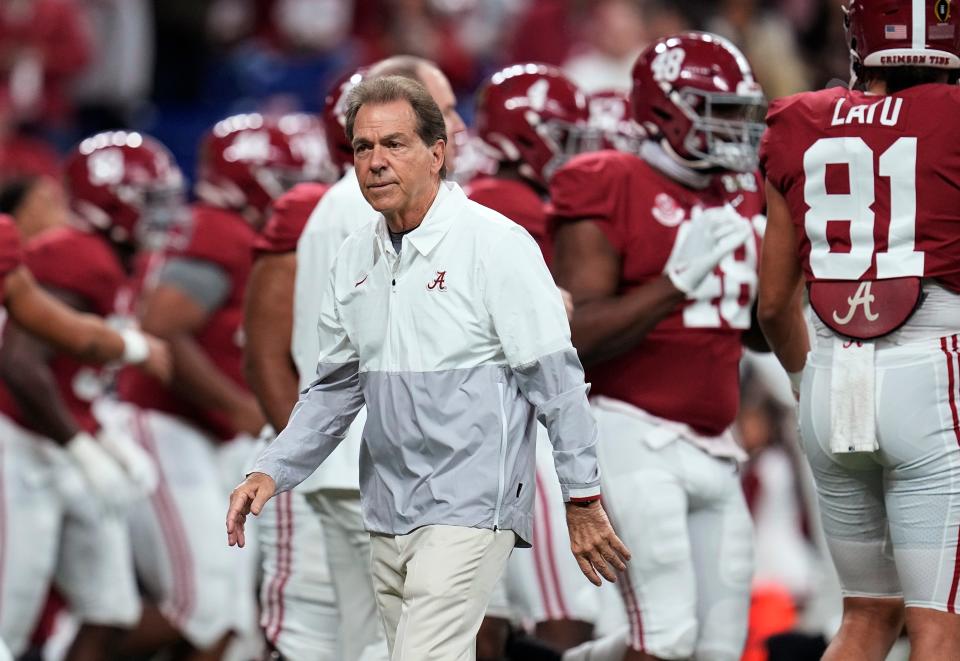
point(899, 164)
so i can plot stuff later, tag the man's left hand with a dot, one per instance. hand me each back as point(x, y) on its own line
point(598, 550)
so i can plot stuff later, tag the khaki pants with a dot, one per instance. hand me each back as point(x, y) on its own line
point(433, 586)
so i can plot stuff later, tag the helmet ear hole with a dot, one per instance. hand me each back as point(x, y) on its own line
point(662, 114)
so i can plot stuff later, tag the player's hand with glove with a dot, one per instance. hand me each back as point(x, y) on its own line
point(137, 464)
point(595, 545)
point(105, 475)
point(248, 498)
point(711, 235)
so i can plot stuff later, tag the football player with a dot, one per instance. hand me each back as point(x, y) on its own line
point(612, 122)
point(863, 211)
point(531, 119)
point(192, 295)
point(53, 531)
point(659, 253)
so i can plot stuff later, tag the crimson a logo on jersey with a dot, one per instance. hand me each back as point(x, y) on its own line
point(865, 309)
point(439, 283)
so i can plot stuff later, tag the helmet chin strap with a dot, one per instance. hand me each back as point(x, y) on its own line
point(663, 157)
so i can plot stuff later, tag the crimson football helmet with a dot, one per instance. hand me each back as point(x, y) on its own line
point(532, 115)
point(126, 185)
point(697, 93)
point(894, 33)
point(612, 124)
point(335, 119)
point(248, 161)
point(308, 140)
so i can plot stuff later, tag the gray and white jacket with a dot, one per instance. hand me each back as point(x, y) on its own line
point(457, 346)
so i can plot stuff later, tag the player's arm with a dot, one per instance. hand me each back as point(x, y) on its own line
point(25, 368)
point(187, 294)
point(780, 299)
point(268, 323)
point(753, 338)
point(605, 322)
point(84, 336)
point(115, 469)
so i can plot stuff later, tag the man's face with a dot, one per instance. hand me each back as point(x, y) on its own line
point(439, 88)
point(395, 169)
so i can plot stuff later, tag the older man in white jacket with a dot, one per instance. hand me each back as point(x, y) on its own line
point(443, 319)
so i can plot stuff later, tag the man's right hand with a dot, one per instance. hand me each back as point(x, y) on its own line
point(248, 498)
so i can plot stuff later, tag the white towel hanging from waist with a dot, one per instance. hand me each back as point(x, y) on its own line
point(853, 398)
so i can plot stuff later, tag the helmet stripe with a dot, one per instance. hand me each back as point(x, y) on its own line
point(919, 24)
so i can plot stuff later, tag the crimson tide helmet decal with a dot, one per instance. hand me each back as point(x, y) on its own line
point(895, 33)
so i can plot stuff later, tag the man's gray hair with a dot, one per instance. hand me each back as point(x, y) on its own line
point(430, 126)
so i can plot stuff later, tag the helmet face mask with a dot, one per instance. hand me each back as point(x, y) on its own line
point(564, 140)
point(725, 128)
point(164, 217)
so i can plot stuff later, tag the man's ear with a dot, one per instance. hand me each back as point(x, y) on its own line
point(438, 153)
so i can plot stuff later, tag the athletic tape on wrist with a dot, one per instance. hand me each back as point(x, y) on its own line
point(135, 346)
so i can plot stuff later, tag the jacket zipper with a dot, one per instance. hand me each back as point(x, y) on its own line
point(501, 468)
point(388, 352)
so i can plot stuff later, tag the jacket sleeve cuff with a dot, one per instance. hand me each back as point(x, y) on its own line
point(581, 494)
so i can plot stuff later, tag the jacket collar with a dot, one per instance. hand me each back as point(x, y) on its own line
point(434, 226)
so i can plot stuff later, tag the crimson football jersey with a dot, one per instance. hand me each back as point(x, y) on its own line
point(872, 182)
point(225, 239)
point(85, 265)
point(10, 252)
point(290, 214)
point(518, 202)
point(687, 367)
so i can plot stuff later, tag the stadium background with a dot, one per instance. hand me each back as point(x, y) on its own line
point(171, 68)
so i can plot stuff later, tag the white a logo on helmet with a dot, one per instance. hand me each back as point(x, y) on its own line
point(105, 167)
point(537, 95)
point(249, 146)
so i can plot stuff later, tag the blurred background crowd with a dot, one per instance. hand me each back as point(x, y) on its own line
point(69, 68)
